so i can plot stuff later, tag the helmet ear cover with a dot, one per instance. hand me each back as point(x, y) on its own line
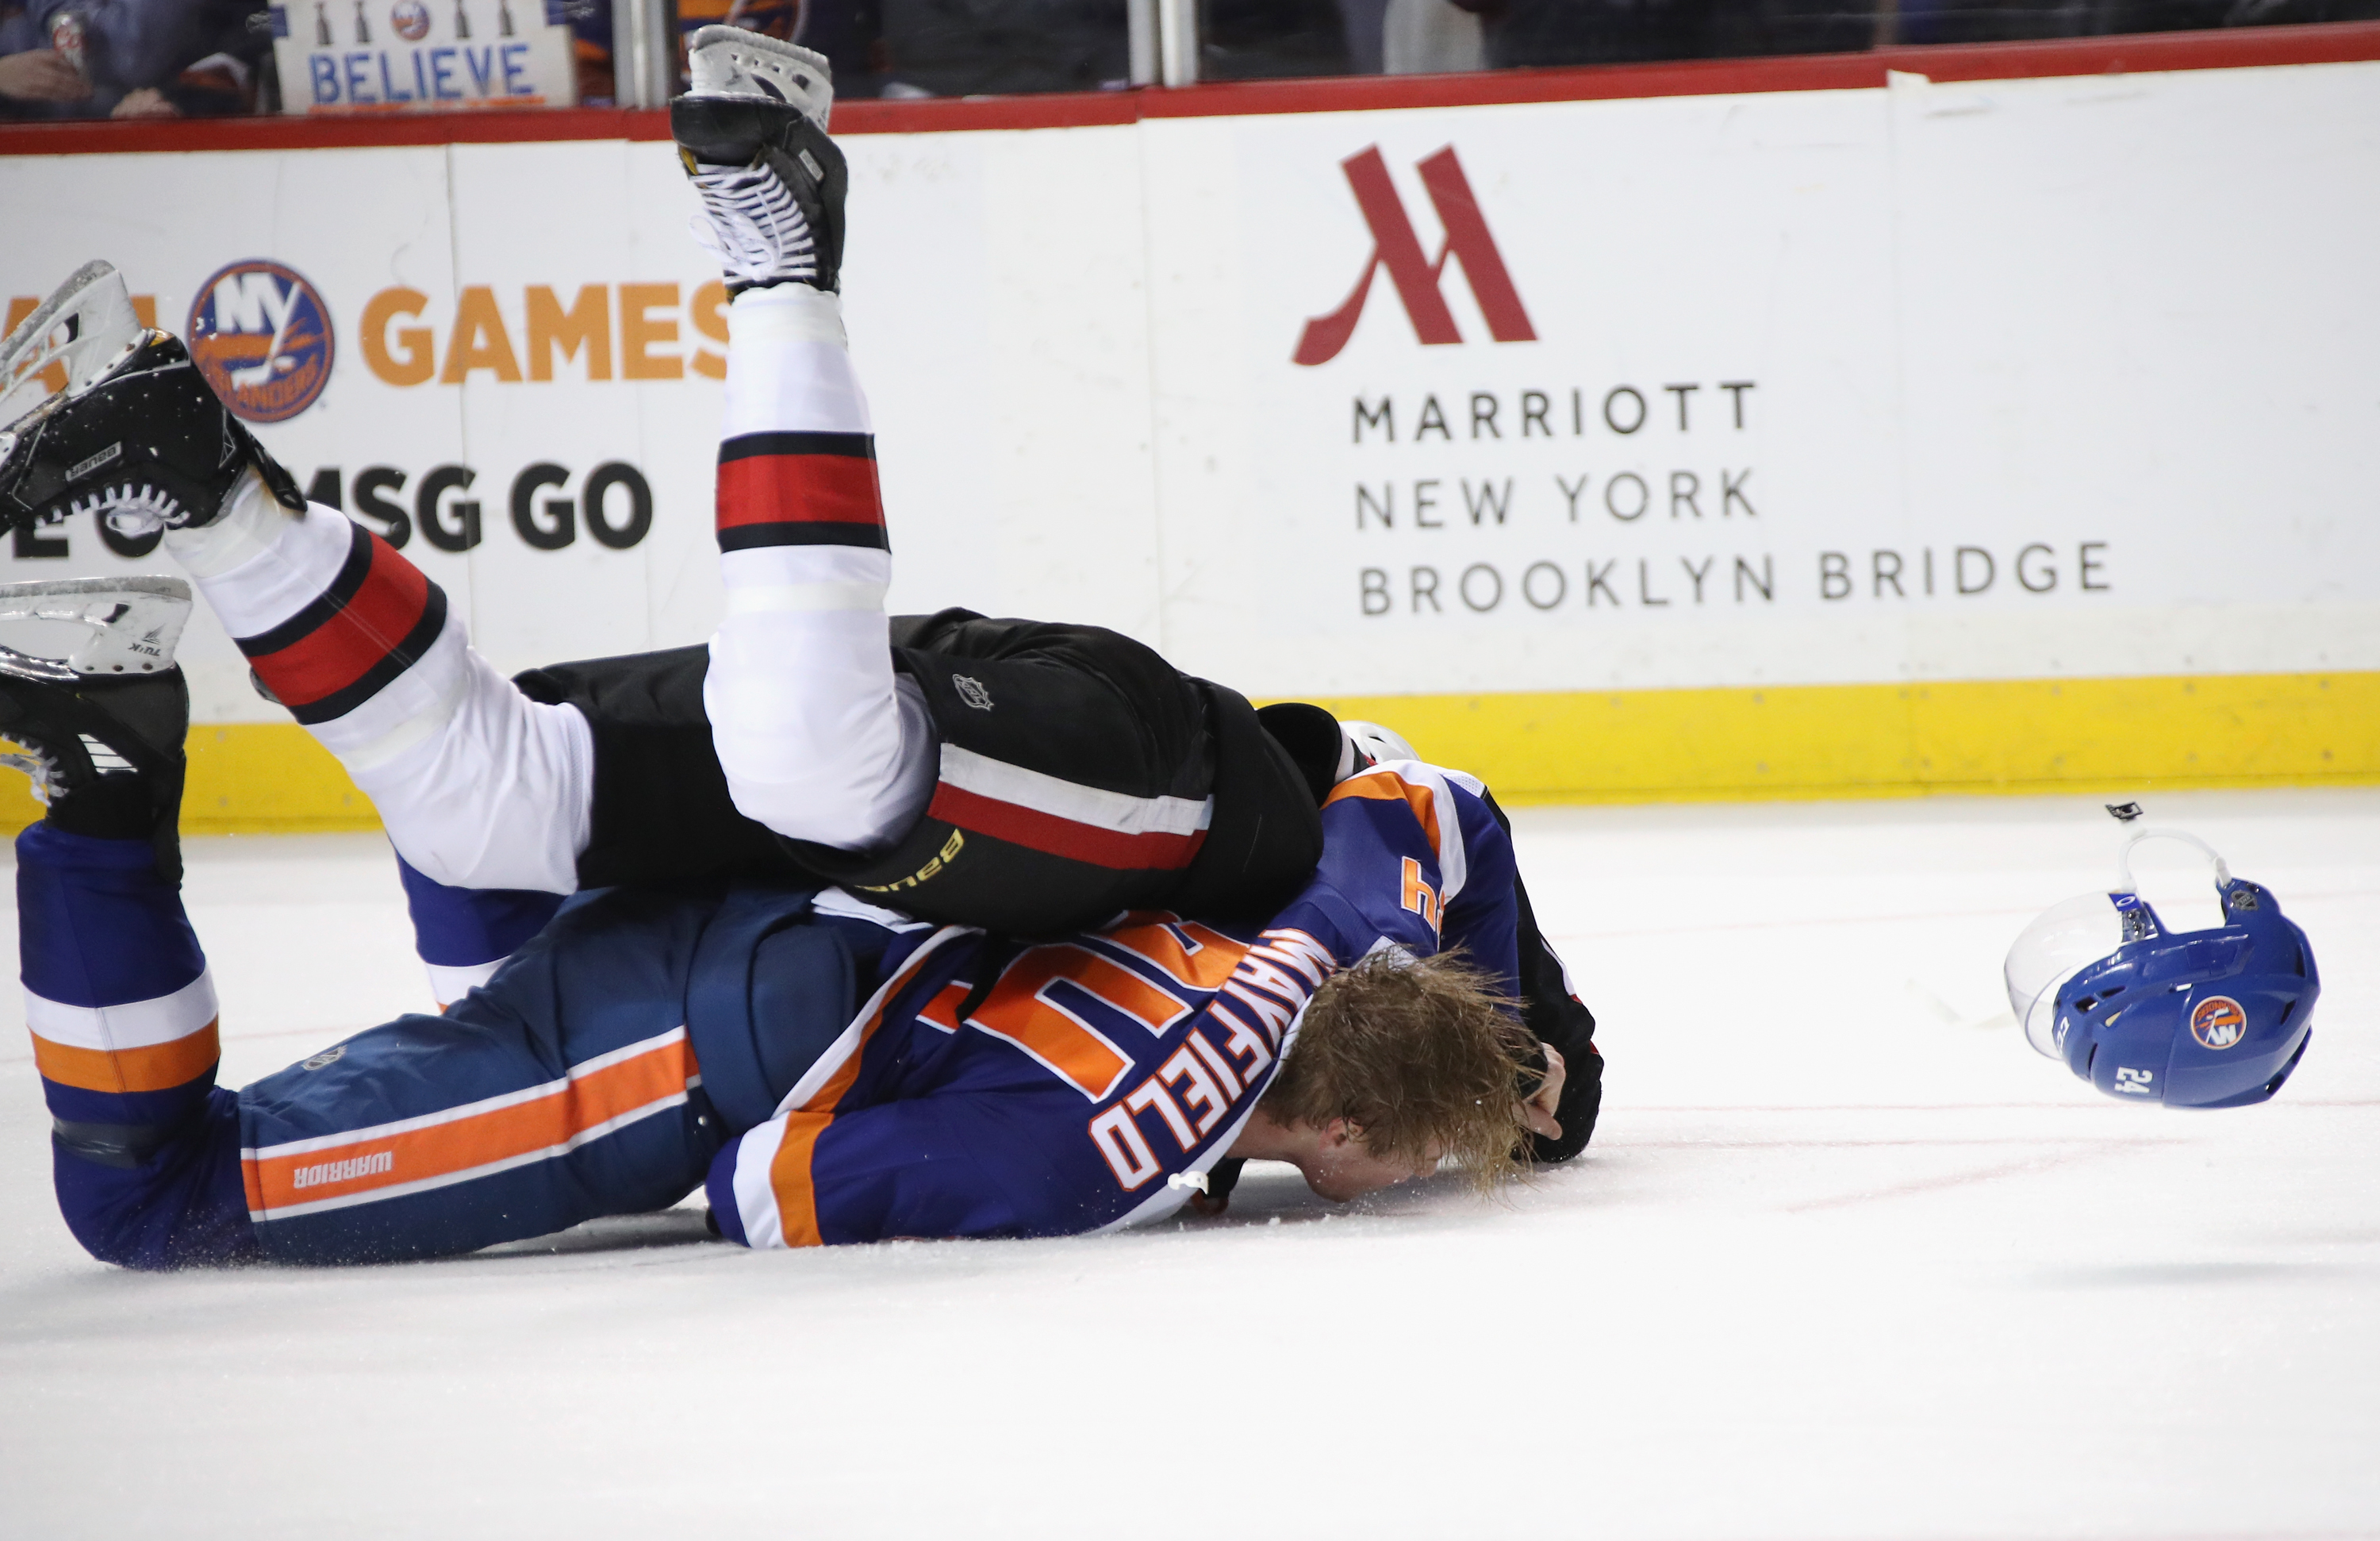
point(2217, 1018)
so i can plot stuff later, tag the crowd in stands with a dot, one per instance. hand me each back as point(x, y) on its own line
point(131, 58)
point(173, 58)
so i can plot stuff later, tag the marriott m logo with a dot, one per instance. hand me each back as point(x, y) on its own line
point(1397, 248)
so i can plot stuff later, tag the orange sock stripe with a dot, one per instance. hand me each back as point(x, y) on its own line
point(374, 1161)
point(154, 1067)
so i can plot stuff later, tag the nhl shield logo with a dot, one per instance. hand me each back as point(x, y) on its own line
point(2218, 1022)
point(261, 335)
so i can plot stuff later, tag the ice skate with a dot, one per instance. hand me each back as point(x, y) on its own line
point(136, 437)
point(752, 137)
point(102, 729)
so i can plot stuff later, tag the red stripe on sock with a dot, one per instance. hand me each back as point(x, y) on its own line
point(343, 649)
point(1155, 849)
point(799, 489)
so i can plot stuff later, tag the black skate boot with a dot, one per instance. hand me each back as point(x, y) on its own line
point(103, 729)
point(752, 137)
point(137, 437)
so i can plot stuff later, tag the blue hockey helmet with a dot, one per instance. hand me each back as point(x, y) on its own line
point(2214, 1018)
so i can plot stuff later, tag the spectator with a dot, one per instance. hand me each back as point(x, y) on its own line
point(141, 58)
point(35, 80)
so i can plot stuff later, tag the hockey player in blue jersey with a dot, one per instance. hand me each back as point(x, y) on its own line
point(830, 1071)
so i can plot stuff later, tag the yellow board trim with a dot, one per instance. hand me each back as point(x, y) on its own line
point(1899, 741)
point(1804, 741)
point(244, 778)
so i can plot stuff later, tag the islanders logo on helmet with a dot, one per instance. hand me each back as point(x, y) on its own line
point(261, 335)
point(2218, 1022)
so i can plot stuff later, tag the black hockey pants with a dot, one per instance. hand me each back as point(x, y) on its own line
point(1080, 775)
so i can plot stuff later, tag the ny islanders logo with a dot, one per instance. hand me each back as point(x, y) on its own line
point(2218, 1022)
point(261, 334)
point(1416, 277)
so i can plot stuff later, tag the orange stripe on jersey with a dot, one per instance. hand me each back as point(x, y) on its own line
point(789, 1169)
point(370, 1160)
point(154, 1067)
point(1204, 964)
point(789, 1175)
point(1387, 786)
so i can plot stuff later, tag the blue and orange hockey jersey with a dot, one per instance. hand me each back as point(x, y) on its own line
point(992, 1090)
point(649, 1038)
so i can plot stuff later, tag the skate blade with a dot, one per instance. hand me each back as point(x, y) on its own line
point(730, 61)
point(135, 623)
point(87, 324)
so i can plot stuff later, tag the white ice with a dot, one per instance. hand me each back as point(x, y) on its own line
point(1845, 1260)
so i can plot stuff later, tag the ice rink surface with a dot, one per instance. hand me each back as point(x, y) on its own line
point(1846, 1260)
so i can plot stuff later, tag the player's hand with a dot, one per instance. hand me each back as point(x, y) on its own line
point(41, 75)
point(1537, 1112)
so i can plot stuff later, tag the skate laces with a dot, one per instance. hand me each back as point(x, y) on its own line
point(751, 224)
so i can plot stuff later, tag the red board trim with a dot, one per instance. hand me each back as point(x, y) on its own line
point(2240, 48)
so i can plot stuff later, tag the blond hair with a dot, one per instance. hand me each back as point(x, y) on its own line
point(1414, 1053)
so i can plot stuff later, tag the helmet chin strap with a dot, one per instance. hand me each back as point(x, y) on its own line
point(2124, 858)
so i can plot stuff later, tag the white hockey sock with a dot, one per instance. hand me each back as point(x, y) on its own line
point(817, 741)
point(477, 785)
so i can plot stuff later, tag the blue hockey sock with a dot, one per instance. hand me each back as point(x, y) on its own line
point(465, 934)
point(123, 1017)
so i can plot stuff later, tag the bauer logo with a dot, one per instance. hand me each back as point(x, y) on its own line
point(2218, 1022)
point(262, 336)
